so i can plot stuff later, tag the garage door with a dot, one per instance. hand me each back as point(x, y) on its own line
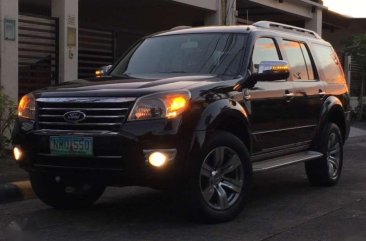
point(38, 52)
point(96, 49)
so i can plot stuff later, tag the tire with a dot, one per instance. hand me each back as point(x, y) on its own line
point(65, 193)
point(327, 170)
point(221, 179)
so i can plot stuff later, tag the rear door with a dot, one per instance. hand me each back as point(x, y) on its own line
point(308, 90)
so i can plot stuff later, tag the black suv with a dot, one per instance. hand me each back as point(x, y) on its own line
point(196, 108)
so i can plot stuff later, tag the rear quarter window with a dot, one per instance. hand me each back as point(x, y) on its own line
point(328, 64)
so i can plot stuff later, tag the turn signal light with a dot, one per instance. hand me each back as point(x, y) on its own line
point(280, 68)
point(27, 107)
point(99, 73)
point(176, 105)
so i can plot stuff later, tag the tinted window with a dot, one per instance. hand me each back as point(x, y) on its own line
point(329, 64)
point(264, 49)
point(294, 53)
point(216, 53)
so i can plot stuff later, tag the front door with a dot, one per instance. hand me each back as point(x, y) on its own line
point(269, 104)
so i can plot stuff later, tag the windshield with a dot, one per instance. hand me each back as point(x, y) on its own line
point(186, 54)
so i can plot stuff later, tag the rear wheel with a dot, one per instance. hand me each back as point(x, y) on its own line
point(65, 193)
point(327, 170)
point(222, 178)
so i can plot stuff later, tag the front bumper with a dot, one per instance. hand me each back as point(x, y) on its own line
point(118, 157)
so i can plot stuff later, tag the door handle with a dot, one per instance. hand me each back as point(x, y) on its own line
point(289, 95)
point(322, 93)
point(247, 95)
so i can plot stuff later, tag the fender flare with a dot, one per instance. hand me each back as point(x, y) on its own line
point(212, 117)
point(331, 106)
point(218, 111)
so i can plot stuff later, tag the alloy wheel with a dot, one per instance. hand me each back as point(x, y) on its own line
point(221, 178)
point(333, 155)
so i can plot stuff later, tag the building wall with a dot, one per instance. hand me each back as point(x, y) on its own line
point(9, 50)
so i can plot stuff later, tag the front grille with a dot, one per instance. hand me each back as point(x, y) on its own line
point(104, 114)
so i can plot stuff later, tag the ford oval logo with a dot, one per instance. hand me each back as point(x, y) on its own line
point(74, 116)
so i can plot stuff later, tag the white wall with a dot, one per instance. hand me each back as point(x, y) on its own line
point(316, 23)
point(225, 13)
point(9, 50)
point(67, 12)
point(206, 4)
point(287, 6)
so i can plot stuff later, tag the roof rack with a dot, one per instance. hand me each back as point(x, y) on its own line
point(181, 27)
point(286, 28)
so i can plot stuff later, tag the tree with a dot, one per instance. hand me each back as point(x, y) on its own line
point(356, 48)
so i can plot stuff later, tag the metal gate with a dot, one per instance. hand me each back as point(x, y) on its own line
point(38, 52)
point(96, 49)
point(356, 79)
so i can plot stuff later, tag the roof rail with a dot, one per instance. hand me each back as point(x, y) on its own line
point(286, 28)
point(181, 27)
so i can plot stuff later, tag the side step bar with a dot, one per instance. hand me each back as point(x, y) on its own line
point(282, 161)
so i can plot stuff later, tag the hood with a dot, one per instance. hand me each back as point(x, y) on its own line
point(128, 87)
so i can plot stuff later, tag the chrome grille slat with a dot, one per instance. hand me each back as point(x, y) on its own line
point(79, 124)
point(102, 114)
point(83, 109)
point(88, 117)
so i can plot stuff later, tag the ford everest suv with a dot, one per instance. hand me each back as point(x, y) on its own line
point(195, 109)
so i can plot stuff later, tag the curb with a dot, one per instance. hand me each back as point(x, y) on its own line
point(16, 191)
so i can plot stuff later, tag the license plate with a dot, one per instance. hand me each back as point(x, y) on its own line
point(71, 145)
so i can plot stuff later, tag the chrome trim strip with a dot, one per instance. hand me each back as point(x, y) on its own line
point(79, 124)
point(50, 132)
point(86, 100)
point(82, 109)
point(284, 129)
point(88, 116)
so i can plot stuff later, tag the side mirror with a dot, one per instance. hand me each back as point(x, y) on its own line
point(267, 71)
point(272, 70)
point(103, 71)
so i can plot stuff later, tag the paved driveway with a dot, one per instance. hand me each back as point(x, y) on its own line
point(283, 207)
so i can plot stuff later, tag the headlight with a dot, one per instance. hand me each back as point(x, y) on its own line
point(157, 106)
point(27, 107)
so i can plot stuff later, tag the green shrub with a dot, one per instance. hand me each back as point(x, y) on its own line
point(7, 118)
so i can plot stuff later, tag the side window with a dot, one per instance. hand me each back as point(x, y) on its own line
point(264, 49)
point(329, 64)
point(298, 59)
point(309, 66)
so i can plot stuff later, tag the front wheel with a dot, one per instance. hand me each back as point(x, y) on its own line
point(65, 193)
point(327, 170)
point(222, 178)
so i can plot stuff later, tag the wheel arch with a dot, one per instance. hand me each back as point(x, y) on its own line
point(226, 115)
point(333, 111)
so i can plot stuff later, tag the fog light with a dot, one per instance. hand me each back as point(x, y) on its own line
point(18, 154)
point(157, 159)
